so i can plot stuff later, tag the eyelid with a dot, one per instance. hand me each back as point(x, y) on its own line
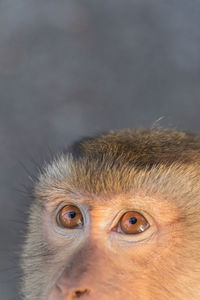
point(70, 223)
point(133, 238)
point(120, 214)
point(68, 231)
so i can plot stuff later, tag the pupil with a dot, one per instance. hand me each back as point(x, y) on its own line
point(133, 220)
point(72, 214)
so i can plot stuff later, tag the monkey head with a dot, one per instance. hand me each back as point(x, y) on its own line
point(117, 216)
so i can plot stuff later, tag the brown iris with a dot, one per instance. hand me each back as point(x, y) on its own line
point(70, 216)
point(133, 222)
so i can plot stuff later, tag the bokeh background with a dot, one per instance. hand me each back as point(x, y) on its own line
point(74, 68)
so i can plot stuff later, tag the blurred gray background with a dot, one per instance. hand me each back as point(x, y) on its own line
point(74, 68)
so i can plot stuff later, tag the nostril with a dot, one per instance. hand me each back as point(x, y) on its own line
point(79, 293)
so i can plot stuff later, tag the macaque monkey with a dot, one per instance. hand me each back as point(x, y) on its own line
point(115, 217)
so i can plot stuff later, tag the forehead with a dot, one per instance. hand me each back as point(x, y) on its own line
point(111, 162)
point(65, 180)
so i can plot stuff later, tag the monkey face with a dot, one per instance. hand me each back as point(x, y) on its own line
point(114, 251)
point(104, 227)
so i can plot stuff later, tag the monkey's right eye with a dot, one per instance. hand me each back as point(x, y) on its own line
point(70, 217)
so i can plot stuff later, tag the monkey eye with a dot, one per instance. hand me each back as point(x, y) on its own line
point(132, 222)
point(70, 217)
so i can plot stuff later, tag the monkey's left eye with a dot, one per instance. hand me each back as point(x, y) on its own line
point(132, 222)
point(70, 217)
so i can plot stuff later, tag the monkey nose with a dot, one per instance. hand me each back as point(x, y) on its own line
point(79, 293)
point(75, 293)
point(64, 293)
